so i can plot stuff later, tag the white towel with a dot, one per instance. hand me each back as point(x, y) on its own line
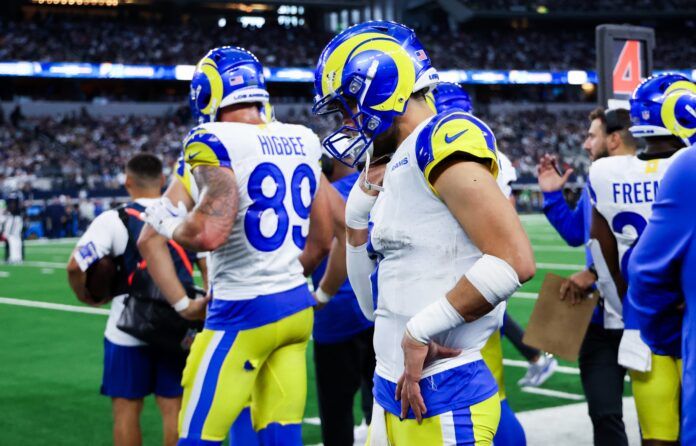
point(613, 308)
point(378, 427)
point(634, 354)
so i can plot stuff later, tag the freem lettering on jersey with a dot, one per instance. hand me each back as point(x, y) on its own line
point(635, 193)
point(281, 145)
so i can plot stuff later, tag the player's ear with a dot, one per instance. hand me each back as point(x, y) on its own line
point(128, 184)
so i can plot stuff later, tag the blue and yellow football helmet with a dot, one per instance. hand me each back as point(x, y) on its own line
point(369, 72)
point(226, 75)
point(449, 96)
point(663, 105)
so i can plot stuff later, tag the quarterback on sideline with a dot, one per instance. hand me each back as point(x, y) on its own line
point(447, 97)
point(259, 187)
point(623, 189)
point(449, 246)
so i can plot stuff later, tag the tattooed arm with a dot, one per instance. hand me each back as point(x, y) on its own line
point(210, 223)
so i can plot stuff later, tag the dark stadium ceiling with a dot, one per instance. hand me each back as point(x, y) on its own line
point(353, 3)
point(215, 3)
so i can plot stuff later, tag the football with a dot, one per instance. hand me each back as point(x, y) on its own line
point(101, 279)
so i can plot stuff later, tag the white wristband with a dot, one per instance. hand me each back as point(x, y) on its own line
point(169, 226)
point(358, 207)
point(494, 278)
point(182, 304)
point(322, 296)
point(436, 318)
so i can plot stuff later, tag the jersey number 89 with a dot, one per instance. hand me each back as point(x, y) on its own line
point(262, 203)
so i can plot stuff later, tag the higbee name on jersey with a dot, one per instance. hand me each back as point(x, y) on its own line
point(277, 171)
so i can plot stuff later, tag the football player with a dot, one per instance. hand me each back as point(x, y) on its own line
point(259, 186)
point(448, 96)
point(661, 281)
point(623, 189)
point(450, 246)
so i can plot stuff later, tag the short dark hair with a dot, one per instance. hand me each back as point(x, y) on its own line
point(615, 120)
point(145, 168)
point(598, 113)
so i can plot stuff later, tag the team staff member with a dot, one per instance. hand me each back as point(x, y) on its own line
point(344, 357)
point(601, 374)
point(12, 228)
point(131, 369)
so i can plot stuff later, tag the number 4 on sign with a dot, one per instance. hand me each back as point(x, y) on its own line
point(626, 76)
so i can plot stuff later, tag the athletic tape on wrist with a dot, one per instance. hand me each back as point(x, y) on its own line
point(182, 304)
point(322, 296)
point(358, 207)
point(437, 317)
point(169, 225)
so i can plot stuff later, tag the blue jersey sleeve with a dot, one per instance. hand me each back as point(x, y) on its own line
point(657, 261)
point(570, 223)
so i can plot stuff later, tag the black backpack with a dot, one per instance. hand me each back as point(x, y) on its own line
point(147, 315)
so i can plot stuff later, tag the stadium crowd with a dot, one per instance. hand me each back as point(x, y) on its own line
point(81, 151)
point(578, 5)
point(140, 42)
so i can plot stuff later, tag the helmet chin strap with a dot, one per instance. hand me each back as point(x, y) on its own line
point(366, 182)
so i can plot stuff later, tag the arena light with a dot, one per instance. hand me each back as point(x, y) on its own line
point(292, 74)
point(111, 3)
point(249, 20)
point(184, 72)
point(577, 77)
point(222, 22)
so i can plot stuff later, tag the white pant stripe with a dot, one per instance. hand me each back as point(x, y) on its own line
point(198, 382)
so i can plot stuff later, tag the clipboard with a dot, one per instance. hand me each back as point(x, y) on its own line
point(556, 326)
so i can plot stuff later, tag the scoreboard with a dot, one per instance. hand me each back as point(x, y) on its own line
point(624, 59)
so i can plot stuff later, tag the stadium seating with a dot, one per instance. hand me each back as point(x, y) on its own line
point(111, 40)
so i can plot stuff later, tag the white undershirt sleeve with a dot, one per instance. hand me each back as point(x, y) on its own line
point(360, 266)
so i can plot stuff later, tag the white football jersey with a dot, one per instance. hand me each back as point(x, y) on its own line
point(277, 170)
point(422, 249)
point(623, 189)
point(507, 174)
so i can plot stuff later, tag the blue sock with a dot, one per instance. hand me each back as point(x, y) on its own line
point(276, 434)
point(510, 431)
point(242, 432)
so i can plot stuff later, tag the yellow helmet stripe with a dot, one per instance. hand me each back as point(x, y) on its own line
point(209, 68)
point(681, 85)
point(406, 73)
point(333, 68)
point(668, 116)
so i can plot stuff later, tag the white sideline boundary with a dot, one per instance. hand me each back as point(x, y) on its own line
point(553, 393)
point(559, 266)
point(58, 265)
point(53, 306)
point(563, 266)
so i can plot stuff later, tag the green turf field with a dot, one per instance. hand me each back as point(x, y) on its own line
point(50, 363)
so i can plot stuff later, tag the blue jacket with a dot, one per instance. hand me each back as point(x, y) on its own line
point(340, 319)
point(573, 225)
point(663, 275)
